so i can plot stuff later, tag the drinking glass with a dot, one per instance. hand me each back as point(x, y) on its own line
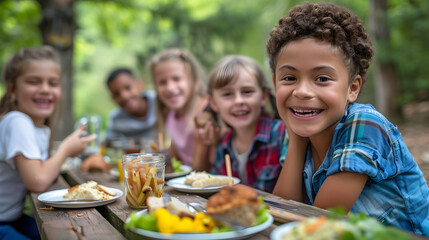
point(93, 126)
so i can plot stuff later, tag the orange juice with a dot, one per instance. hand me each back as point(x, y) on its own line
point(121, 172)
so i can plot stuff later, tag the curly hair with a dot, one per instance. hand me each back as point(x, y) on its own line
point(329, 23)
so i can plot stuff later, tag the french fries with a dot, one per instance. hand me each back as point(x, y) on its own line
point(141, 182)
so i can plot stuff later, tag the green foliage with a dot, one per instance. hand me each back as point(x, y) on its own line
point(126, 33)
point(18, 27)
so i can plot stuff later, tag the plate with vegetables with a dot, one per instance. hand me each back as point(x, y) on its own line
point(173, 221)
point(179, 169)
point(357, 226)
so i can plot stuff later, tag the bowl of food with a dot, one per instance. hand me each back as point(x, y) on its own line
point(355, 226)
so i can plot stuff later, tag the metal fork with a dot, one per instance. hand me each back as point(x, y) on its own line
point(235, 225)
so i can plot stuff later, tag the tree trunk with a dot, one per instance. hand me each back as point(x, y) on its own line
point(385, 76)
point(58, 29)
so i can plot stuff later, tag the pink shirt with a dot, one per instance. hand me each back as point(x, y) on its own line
point(182, 137)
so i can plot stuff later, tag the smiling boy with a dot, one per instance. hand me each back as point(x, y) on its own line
point(340, 153)
point(135, 116)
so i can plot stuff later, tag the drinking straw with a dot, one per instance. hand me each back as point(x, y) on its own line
point(228, 168)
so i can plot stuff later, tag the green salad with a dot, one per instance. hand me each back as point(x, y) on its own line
point(151, 221)
point(176, 164)
point(355, 227)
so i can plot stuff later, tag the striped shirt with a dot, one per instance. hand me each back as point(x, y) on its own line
point(263, 165)
point(365, 142)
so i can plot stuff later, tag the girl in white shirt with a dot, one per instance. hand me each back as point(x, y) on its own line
point(33, 91)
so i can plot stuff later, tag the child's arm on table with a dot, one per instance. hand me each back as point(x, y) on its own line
point(290, 183)
point(38, 175)
point(340, 189)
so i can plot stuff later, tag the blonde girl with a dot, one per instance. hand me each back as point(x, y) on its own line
point(178, 79)
point(238, 92)
point(33, 91)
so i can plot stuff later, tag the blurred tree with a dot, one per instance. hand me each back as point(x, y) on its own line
point(385, 74)
point(58, 30)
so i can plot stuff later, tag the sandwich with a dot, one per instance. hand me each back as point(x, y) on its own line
point(90, 190)
point(202, 119)
point(238, 202)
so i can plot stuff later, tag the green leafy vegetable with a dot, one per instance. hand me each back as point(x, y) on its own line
point(176, 164)
point(146, 221)
point(221, 229)
point(261, 216)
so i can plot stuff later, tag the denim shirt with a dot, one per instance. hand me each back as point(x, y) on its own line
point(365, 142)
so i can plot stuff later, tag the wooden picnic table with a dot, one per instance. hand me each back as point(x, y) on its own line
point(107, 221)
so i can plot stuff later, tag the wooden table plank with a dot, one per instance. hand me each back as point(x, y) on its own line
point(57, 223)
point(117, 212)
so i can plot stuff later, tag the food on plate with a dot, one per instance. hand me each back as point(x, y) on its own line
point(176, 164)
point(202, 119)
point(169, 217)
point(160, 218)
point(204, 179)
point(141, 182)
point(90, 190)
point(355, 227)
point(174, 206)
point(238, 202)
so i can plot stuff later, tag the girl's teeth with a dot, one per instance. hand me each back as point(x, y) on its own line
point(240, 113)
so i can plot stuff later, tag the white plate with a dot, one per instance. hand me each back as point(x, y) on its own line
point(185, 171)
point(56, 199)
point(114, 172)
point(179, 185)
point(282, 230)
point(245, 233)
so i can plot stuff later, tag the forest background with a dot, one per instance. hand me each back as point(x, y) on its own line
point(95, 36)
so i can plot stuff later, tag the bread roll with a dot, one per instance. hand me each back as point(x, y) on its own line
point(238, 202)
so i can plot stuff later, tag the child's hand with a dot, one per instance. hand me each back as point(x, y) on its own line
point(74, 144)
point(95, 162)
point(210, 134)
point(293, 137)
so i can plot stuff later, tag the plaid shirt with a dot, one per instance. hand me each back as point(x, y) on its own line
point(263, 165)
point(365, 142)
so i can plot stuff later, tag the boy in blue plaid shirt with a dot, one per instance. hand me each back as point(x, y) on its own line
point(340, 153)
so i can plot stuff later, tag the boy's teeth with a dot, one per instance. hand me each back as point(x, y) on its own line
point(306, 113)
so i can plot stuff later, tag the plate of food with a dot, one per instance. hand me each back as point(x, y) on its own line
point(357, 226)
point(182, 171)
point(89, 194)
point(200, 182)
point(173, 219)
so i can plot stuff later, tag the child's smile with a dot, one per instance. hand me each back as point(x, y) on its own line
point(38, 90)
point(312, 86)
point(240, 102)
point(173, 85)
point(305, 113)
point(126, 93)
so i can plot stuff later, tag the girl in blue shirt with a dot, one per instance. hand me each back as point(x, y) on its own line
point(340, 153)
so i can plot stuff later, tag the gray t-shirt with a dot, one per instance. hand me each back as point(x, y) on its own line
point(18, 135)
point(123, 125)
